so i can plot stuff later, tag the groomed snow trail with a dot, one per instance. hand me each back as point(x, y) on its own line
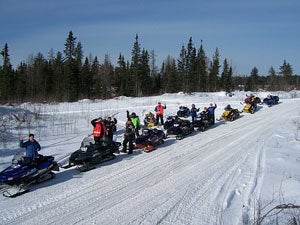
point(198, 180)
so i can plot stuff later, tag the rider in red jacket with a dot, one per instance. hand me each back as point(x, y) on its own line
point(159, 109)
point(99, 130)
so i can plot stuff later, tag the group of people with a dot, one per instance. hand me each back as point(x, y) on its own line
point(103, 129)
point(133, 126)
point(207, 113)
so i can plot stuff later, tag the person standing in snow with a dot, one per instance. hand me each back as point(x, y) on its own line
point(194, 111)
point(129, 136)
point(32, 147)
point(135, 121)
point(99, 131)
point(159, 109)
point(110, 124)
point(211, 114)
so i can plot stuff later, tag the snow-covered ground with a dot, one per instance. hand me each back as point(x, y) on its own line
point(224, 175)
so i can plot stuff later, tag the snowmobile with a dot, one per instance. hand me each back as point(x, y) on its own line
point(91, 154)
point(170, 122)
point(271, 100)
point(251, 104)
point(180, 128)
point(250, 108)
point(201, 122)
point(183, 112)
point(16, 179)
point(230, 114)
point(149, 139)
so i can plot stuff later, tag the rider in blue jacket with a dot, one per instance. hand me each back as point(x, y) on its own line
point(32, 147)
point(211, 110)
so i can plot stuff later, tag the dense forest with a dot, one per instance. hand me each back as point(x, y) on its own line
point(69, 76)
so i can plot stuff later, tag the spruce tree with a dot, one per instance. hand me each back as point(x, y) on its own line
point(6, 76)
point(202, 69)
point(72, 67)
point(272, 79)
point(286, 71)
point(214, 72)
point(135, 75)
point(182, 70)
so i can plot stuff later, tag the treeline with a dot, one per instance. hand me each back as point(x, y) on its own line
point(68, 76)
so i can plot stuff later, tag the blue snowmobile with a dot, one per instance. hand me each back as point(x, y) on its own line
point(23, 172)
point(271, 100)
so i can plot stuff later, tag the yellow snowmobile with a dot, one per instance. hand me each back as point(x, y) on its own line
point(230, 114)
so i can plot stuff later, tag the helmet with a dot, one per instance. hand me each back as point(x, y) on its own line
point(227, 107)
point(193, 105)
point(159, 103)
point(133, 114)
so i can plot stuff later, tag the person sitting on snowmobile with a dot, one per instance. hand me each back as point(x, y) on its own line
point(99, 130)
point(129, 136)
point(110, 124)
point(135, 121)
point(194, 111)
point(32, 147)
point(204, 114)
point(228, 107)
point(149, 119)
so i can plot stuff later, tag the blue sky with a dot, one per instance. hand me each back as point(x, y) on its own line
point(257, 33)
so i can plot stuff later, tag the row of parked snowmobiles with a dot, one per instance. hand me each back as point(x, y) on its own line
point(16, 179)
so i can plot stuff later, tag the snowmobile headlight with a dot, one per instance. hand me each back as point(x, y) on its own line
point(15, 164)
point(83, 149)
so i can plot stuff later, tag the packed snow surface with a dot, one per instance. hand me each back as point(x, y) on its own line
point(219, 176)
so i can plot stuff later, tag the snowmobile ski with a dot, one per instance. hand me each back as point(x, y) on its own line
point(15, 191)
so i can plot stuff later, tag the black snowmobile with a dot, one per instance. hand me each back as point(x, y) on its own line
point(23, 172)
point(170, 122)
point(91, 154)
point(183, 112)
point(149, 139)
point(180, 128)
point(201, 122)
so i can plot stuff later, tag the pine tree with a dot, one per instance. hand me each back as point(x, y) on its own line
point(214, 72)
point(254, 79)
point(169, 75)
point(135, 75)
point(6, 76)
point(226, 77)
point(286, 71)
point(72, 67)
point(144, 71)
point(182, 70)
point(122, 76)
point(202, 69)
point(86, 79)
point(107, 77)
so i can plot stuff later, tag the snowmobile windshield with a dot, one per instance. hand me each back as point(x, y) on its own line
point(18, 156)
point(87, 141)
point(17, 159)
